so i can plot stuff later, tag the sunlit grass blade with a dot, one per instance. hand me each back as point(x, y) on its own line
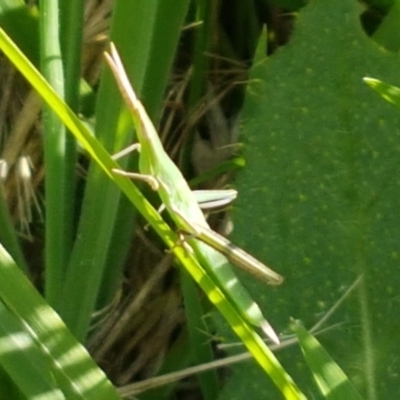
point(74, 370)
point(388, 92)
point(331, 380)
point(24, 363)
point(80, 131)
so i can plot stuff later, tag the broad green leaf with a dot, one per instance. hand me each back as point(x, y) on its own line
point(383, 5)
point(331, 380)
point(318, 199)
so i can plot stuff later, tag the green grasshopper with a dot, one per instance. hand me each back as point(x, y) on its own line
point(212, 250)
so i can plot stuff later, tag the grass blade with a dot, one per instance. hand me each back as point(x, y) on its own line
point(24, 363)
point(76, 373)
point(331, 380)
point(390, 93)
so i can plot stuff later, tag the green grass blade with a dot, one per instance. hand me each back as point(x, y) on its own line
point(75, 371)
point(58, 182)
point(390, 93)
point(23, 361)
point(331, 380)
point(71, 22)
point(201, 350)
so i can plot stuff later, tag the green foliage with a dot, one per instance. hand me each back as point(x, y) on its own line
point(331, 380)
point(390, 93)
point(37, 351)
point(318, 197)
point(387, 33)
point(22, 24)
point(81, 319)
point(97, 252)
